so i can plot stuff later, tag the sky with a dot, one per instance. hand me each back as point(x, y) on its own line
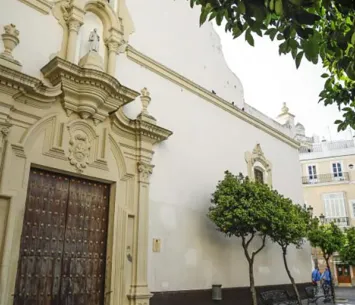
point(270, 80)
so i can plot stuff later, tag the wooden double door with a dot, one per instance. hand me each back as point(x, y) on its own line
point(343, 273)
point(63, 242)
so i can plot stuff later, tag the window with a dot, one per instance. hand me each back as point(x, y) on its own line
point(337, 170)
point(352, 208)
point(312, 172)
point(334, 205)
point(258, 175)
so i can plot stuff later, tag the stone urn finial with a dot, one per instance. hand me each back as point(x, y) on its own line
point(10, 39)
point(284, 108)
point(145, 99)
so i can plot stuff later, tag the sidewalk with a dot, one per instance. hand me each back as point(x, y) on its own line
point(345, 295)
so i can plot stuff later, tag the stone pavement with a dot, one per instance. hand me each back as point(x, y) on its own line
point(345, 295)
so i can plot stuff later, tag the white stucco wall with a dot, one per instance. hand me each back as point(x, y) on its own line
point(35, 28)
point(169, 32)
point(206, 142)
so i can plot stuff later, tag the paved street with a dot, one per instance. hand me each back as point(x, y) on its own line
point(347, 294)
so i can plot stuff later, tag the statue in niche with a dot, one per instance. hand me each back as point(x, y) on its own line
point(94, 40)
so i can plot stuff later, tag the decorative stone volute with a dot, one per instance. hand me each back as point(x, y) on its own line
point(10, 40)
point(144, 115)
point(90, 93)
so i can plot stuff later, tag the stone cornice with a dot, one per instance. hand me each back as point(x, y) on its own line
point(43, 6)
point(90, 93)
point(152, 132)
point(184, 82)
point(25, 88)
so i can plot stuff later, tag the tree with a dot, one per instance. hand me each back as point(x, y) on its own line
point(243, 208)
point(305, 28)
point(347, 252)
point(289, 226)
point(329, 238)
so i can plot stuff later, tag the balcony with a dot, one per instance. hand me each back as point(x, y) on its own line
point(325, 178)
point(339, 221)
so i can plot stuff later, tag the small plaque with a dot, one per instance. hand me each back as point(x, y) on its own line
point(156, 244)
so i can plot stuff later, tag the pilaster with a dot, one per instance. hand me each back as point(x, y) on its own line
point(112, 47)
point(139, 292)
point(74, 26)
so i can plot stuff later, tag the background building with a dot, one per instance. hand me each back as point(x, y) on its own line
point(328, 178)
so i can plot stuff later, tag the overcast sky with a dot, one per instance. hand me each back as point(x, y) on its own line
point(269, 80)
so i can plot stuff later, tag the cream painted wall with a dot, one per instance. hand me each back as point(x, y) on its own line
point(313, 193)
point(206, 142)
point(324, 165)
point(313, 196)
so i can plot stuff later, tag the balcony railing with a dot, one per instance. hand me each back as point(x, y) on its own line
point(339, 221)
point(328, 146)
point(325, 178)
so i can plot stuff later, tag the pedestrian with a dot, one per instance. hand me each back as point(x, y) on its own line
point(326, 276)
point(316, 277)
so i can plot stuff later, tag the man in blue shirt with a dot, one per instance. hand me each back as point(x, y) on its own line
point(316, 276)
point(326, 276)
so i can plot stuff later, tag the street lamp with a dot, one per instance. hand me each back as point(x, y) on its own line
point(310, 210)
point(322, 218)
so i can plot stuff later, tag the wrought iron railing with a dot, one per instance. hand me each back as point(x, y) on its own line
point(325, 178)
point(339, 221)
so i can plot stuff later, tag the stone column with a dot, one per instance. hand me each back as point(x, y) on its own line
point(112, 53)
point(139, 293)
point(74, 26)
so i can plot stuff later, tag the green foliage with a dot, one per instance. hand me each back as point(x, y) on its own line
point(310, 29)
point(347, 252)
point(290, 225)
point(329, 238)
point(241, 207)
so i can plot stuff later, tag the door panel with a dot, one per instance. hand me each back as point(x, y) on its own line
point(343, 272)
point(63, 242)
point(85, 243)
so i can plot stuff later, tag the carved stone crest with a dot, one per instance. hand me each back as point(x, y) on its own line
point(79, 151)
point(144, 170)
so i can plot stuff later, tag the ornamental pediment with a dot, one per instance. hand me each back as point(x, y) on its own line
point(90, 93)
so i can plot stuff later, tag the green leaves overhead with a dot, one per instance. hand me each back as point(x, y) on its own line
point(329, 238)
point(312, 29)
point(347, 252)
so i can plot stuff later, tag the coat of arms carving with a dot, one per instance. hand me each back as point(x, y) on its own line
point(79, 151)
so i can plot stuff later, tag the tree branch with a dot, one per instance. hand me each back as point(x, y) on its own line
point(250, 239)
point(261, 247)
point(245, 247)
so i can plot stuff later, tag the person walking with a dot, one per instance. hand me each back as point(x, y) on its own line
point(316, 277)
point(326, 276)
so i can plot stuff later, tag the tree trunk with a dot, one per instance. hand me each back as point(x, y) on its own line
point(331, 277)
point(252, 282)
point(291, 277)
point(250, 259)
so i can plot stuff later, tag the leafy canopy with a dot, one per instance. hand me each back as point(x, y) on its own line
point(290, 224)
point(241, 207)
point(310, 29)
point(329, 238)
point(347, 252)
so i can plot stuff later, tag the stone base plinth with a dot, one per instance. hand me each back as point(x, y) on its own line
point(92, 60)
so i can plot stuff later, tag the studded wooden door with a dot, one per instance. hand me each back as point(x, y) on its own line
point(63, 243)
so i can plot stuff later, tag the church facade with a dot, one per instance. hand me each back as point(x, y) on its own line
point(117, 119)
